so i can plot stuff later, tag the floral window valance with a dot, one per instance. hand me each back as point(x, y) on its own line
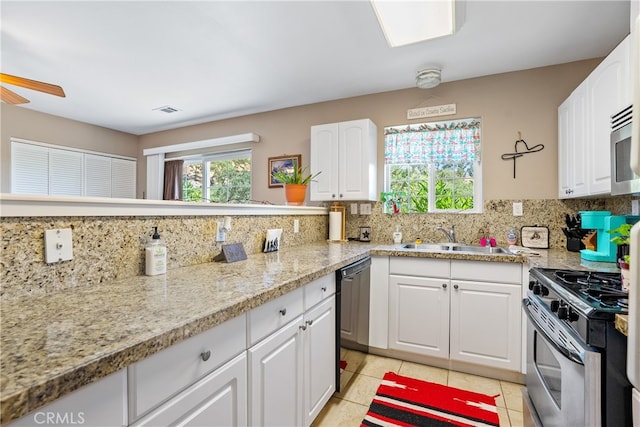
point(442, 142)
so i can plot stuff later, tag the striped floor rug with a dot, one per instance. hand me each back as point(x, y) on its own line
point(403, 401)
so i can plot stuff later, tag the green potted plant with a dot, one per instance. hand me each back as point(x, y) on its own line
point(622, 238)
point(295, 183)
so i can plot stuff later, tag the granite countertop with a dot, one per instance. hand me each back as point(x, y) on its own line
point(54, 344)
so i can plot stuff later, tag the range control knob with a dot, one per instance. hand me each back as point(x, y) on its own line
point(563, 312)
point(544, 291)
point(573, 316)
point(537, 289)
point(554, 305)
point(531, 283)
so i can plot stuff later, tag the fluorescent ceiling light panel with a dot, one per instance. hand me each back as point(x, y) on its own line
point(406, 22)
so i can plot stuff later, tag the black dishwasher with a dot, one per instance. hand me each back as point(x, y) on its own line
point(352, 314)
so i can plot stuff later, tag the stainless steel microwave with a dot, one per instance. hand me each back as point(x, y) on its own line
point(623, 179)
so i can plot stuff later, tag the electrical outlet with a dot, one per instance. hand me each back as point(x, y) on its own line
point(365, 209)
point(296, 225)
point(517, 208)
point(354, 209)
point(58, 245)
point(635, 207)
point(220, 231)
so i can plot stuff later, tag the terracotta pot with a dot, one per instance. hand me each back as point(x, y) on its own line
point(295, 194)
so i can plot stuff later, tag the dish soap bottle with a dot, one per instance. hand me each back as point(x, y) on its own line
point(155, 255)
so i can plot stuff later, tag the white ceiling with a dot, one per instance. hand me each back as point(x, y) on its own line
point(118, 60)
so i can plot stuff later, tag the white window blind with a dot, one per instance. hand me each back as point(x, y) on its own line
point(38, 168)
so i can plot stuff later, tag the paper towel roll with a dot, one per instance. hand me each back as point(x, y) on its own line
point(335, 226)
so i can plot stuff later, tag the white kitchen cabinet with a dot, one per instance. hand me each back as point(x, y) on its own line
point(101, 403)
point(218, 400)
point(572, 145)
point(608, 92)
point(346, 155)
point(485, 324)
point(319, 377)
point(469, 311)
point(292, 369)
point(419, 315)
point(584, 126)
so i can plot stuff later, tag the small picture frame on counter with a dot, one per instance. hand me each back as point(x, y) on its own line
point(231, 253)
point(365, 234)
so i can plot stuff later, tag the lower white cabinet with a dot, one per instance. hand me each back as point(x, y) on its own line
point(292, 370)
point(419, 315)
point(101, 403)
point(485, 324)
point(218, 400)
point(470, 313)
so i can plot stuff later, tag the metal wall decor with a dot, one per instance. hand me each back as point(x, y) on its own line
point(515, 154)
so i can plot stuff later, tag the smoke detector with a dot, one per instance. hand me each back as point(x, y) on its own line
point(428, 78)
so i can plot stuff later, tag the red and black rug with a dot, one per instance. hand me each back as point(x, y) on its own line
point(403, 401)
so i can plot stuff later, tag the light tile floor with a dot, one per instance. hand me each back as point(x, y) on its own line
point(360, 380)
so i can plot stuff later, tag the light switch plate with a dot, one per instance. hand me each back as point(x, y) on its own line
point(354, 209)
point(58, 245)
point(365, 209)
point(517, 208)
point(296, 225)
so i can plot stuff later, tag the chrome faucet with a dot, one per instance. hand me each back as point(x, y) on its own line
point(451, 234)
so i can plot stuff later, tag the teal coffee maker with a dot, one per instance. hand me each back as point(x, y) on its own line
point(602, 222)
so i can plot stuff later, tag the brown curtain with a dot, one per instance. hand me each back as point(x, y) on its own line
point(173, 180)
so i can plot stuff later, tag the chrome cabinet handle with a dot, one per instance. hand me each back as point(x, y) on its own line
point(205, 355)
point(283, 311)
point(444, 286)
point(324, 289)
point(309, 322)
point(303, 327)
point(455, 286)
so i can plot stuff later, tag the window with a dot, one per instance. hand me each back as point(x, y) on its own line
point(433, 167)
point(220, 178)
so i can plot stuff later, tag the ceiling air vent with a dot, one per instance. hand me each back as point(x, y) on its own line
point(166, 109)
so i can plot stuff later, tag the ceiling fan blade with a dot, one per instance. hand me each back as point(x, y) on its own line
point(10, 97)
point(32, 84)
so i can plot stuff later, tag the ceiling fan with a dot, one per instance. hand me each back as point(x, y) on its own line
point(10, 97)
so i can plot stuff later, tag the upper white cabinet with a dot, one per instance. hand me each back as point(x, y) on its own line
point(572, 144)
point(346, 155)
point(584, 126)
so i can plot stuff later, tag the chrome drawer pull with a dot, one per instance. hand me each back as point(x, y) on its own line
point(324, 289)
point(309, 322)
point(283, 311)
point(205, 355)
point(303, 327)
point(455, 286)
point(444, 286)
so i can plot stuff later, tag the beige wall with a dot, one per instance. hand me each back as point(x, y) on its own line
point(524, 101)
point(24, 123)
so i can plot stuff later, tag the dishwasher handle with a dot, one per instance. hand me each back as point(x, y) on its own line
point(355, 268)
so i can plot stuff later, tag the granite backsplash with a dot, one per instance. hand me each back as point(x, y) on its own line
point(111, 248)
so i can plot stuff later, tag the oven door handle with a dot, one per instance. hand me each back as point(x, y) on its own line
point(571, 355)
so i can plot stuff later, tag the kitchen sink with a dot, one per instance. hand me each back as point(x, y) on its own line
point(456, 247)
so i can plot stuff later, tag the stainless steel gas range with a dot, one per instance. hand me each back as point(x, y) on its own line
point(575, 357)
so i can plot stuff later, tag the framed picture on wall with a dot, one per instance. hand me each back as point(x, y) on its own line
point(282, 163)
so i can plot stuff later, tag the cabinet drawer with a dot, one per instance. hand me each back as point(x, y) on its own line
point(101, 403)
point(419, 267)
point(157, 378)
point(485, 271)
point(220, 399)
point(273, 315)
point(318, 290)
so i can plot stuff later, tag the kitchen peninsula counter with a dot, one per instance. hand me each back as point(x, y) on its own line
point(54, 344)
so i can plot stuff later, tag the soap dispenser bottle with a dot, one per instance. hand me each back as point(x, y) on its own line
point(397, 235)
point(155, 255)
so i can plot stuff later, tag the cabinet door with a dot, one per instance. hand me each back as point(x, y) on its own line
point(357, 160)
point(275, 378)
point(605, 98)
point(319, 358)
point(219, 399)
point(324, 159)
point(419, 315)
point(485, 324)
point(573, 145)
